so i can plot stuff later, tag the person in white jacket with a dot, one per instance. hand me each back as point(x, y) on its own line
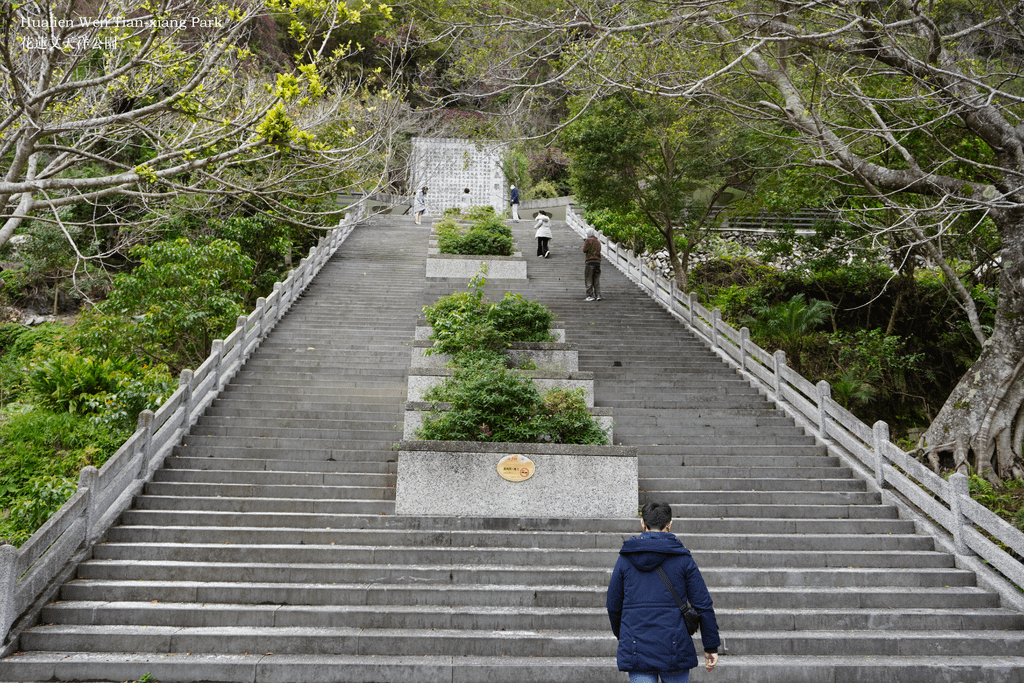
point(543, 234)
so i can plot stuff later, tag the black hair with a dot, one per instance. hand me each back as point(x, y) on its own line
point(656, 515)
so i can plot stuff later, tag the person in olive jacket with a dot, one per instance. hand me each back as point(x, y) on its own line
point(653, 640)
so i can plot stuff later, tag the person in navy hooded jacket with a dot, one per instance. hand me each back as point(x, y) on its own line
point(653, 640)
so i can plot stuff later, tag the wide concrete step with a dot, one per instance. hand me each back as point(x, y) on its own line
point(374, 466)
point(511, 556)
point(764, 477)
point(431, 574)
point(792, 506)
point(301, 410)
point(293, 443)
point(650, 462)
point(282, 668)
point(677, 401)
point(372, 528)
point(683, 450)
point(379, 378)
point(272, 478)
point(688, 432)
point(220, 448)
point(314, 386)
point(479, 642)
point(760, 419)
point(509, 594)
point(299, 529)
point(500, 617)
point(770, 439)
point(379, 436)
point(339, 491)
point(198, 504)
point(381, 422)
point(650, 481)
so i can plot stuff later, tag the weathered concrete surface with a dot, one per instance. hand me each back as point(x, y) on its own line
point(415, 410)
point(498, 267)
point(461, 479)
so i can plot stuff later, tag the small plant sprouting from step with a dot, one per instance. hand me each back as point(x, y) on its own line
point(147, 678)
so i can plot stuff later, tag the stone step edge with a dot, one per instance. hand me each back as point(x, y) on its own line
point(271, 668)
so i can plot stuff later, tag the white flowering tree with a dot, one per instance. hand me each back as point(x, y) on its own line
point(182, 104)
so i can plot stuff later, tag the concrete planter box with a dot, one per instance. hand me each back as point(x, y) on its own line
point(423, 333)
point(421, 379)
point(556, 356)
point(415, 411)
point(460, 479)
point(465, 267)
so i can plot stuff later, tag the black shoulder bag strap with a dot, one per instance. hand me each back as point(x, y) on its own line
point(691, 618)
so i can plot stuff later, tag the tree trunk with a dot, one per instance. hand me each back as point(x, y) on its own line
point(982, 421)
point(678, 263)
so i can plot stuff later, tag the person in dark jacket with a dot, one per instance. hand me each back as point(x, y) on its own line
point(514, 203)
point(592, 265)
point(653, 640)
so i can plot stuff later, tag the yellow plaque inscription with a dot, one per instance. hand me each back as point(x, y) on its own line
point(515, 468)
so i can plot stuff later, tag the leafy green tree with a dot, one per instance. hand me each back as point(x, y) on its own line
point(790, 322)
point(915, 105)
point(647, 156)
point(171, 307)
point(116, 116)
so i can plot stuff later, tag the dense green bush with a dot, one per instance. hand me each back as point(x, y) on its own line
point(487, 236)
point(40, 452)
point(893, 345)
point(467, 320)
point(481, 242)
point(267, 242)
point(491, 402)
point(477, 213)
point(171, 307)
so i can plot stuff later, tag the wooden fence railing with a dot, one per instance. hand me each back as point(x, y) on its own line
point(947, 502)
point(103, 494)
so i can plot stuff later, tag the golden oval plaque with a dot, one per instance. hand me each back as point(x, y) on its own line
point(515, 467)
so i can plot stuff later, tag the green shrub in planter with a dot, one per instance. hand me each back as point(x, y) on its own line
point(466, 320)
point(491, 402)
point(482, 242)
point(486, 237)
point(495, 225)
point(477, 213)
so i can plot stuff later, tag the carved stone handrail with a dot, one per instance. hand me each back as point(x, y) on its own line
point(947, 502)
point(30, 572)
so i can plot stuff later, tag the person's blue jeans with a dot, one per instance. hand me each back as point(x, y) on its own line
point(675, 677)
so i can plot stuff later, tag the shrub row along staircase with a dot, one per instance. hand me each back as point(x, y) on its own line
point(268, 549)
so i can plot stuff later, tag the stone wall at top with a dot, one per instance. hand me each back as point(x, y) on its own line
point(449, 166)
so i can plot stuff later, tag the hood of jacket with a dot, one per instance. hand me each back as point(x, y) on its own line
point(651, 548)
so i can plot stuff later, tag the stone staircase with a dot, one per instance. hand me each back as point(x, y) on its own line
point(267, 549)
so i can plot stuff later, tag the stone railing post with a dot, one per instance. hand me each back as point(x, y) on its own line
point(278, 287)
point(779, 362)
point(880, 434)
point(958, 491)
point(217, 351)
point(87, 480)
point(261, 312)
point(185, 382)
point(145, 425)
point(716, 317)
point(8, 584)
point(824, 393)
point(693, 306)
point(744, 347)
